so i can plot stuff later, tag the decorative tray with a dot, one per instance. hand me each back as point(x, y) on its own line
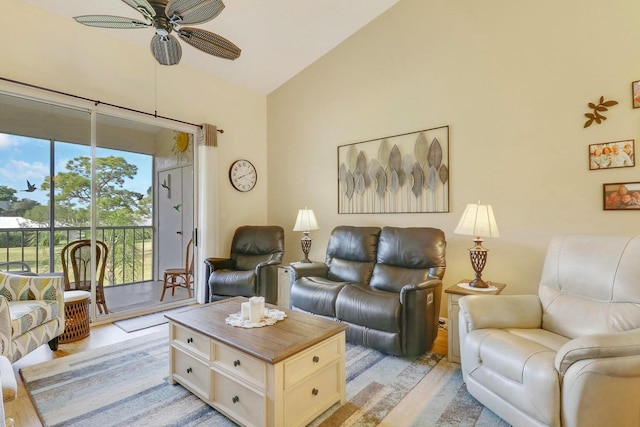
point(271, 316)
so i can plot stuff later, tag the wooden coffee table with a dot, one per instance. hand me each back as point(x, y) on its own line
point(281, 375)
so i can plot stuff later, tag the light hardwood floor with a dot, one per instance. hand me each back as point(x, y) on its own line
point(23, 411)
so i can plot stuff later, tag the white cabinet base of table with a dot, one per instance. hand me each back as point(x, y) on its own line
point(454, 293)
point(248, 388)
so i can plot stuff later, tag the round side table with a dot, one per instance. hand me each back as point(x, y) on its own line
point(76, 315)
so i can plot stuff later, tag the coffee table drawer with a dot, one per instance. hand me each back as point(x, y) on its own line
point(191, 372)
point(240, 365)
point(311, 397)
point(245, 405)
point(310, 361)
point(194, 341)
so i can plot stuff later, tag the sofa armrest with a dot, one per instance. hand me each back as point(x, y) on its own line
point(420, 305)
point(500, 311)
point(5, 328)
point(618, 344)
point(429, 284)
point(49, 288)
point(308, 269)
point(267, 264)
point(219, 264)
point(267, 280)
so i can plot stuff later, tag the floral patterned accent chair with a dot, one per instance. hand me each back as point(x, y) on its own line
point(31, 313)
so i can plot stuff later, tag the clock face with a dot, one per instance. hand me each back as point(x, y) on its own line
point(242, 175)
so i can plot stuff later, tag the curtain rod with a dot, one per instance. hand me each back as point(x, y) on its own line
point(96, 102)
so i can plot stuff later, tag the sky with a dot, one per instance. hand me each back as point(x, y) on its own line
point(23, 158)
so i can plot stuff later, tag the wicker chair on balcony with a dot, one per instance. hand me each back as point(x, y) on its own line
point(78, 275)
point(181, 277)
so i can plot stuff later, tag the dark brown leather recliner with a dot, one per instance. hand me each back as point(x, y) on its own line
point(251, 269)
point(385, 284)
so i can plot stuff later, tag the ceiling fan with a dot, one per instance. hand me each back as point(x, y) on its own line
point(166, 16)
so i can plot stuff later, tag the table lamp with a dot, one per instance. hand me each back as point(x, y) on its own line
point(478, 220)
point(305, 222)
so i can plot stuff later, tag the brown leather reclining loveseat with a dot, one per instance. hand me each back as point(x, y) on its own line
point(384, 283)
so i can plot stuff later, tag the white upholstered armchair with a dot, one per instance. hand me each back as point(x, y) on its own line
point(569, 356)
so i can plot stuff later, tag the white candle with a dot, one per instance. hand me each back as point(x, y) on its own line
point(255, 315)
point(261, 299)
point(246, 309)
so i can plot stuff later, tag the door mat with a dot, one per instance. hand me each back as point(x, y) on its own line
point(147, 321)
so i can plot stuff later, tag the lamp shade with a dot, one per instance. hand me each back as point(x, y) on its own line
point(306, 221)
point(478, 220)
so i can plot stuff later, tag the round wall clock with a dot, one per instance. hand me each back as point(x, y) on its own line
point(243, 175)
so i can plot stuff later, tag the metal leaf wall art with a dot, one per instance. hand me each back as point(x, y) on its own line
point(598, 109)
point(396, 174)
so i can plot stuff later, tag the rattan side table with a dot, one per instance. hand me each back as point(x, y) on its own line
point(76, 315)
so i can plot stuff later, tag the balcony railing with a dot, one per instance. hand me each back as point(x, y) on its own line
point(130, 250)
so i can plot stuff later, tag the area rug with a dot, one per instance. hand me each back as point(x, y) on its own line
point(126, 384)
point(147, 321)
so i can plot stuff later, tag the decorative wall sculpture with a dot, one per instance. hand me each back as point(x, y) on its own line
point(395, 174)
point(598, 109)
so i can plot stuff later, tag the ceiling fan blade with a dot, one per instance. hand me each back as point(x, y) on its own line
point(166, 49)
point(210, 43)
point(141, 6)
point(188, 12)
point(108, 21)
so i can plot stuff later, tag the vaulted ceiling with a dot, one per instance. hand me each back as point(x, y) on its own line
point(278, 38)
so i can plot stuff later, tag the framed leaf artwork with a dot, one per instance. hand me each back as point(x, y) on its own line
point(407, 173)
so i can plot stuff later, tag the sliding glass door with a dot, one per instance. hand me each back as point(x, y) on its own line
point(69, 175)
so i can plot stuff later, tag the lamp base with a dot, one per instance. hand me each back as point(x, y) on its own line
point(478, 283)
point(478, 256)
point(306, 247)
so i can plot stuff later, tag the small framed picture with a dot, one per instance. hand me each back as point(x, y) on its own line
point(621, 196)
point(607, 155)
point(635, 94)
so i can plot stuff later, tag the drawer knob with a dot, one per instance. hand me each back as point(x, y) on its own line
point(236, 362)
point(316, 359)
point(314, 391)
point(189, 340)
point(235, 399)
point(189, 370)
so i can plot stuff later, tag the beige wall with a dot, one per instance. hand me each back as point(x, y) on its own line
point(511, 78)
point(57, 53)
